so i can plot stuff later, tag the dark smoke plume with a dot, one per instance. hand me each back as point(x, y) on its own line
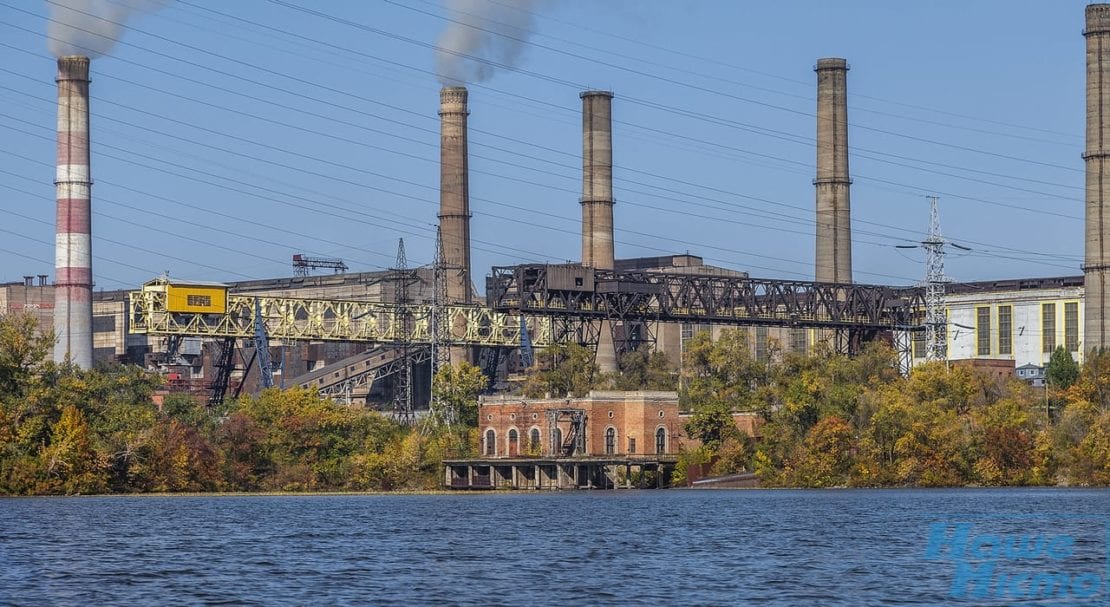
point(493, 31)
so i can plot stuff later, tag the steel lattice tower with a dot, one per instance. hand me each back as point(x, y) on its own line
point(440, 330)
point(935, 321)
point(402, 387)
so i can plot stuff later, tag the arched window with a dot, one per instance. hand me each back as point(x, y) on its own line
point(661, 441)
point(557, 448)
point(491, 442)
point(514, 443)
point(534, 445)
point(610, 441)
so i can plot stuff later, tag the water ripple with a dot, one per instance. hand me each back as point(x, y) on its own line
point(775, 548)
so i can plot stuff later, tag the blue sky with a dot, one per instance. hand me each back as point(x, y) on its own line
point(226, 141)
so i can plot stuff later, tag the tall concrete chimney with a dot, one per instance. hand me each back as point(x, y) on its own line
point(73, 235)
point(597, 179)
point(1097, 256)
point(454, 192)
point(834, 217)
point(597, 202)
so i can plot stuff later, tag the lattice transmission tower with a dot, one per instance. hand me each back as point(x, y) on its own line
point(936, 324)
point(440, 328)
point(402, 383)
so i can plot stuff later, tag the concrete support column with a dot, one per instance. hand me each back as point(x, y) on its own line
point(834, 221)
point(1096, 266)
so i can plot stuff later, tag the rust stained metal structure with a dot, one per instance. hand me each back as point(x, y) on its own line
point(555, 291)
point(558, 304)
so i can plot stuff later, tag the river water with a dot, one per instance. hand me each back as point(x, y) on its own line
point(837, 547)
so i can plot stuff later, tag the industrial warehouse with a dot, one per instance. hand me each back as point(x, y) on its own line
point(376, 338)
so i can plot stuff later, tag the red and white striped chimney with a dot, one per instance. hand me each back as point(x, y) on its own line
point(73, 236)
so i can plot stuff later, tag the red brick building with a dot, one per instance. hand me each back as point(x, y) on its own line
point(600, 424)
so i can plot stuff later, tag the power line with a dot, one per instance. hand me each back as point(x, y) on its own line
point(975, 199)
point(714, 60)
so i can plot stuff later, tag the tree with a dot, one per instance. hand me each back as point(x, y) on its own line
point(457, 388)
point(21, 349)
point(643, 370)
point(71, 463)
point(562, 370)
point(712, 424)
point(1062, 370)
point(828, 459)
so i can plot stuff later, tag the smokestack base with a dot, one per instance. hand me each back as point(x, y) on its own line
point(1098, 19)
point(73, 67)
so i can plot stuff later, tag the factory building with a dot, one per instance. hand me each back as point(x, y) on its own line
point(602, 440)
point(612, 423)
point(1021, 321)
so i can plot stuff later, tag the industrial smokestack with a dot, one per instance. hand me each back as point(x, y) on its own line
point(597, 179)
point(73, 236)
point(597, 202)
point(834, 218)
point(454, 192)
point(1097, 257)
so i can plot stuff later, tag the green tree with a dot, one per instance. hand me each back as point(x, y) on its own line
point(22, 348)
point(643, 370)
point(1062, 370)
point(712, 424)
point(561, 370)
point(457, 387)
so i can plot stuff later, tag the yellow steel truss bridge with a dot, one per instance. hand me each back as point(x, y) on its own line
point(184, 309)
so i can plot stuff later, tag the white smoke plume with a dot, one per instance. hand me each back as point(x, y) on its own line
point(495, 32)
point(91, 27)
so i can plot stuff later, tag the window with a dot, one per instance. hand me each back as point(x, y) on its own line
point(799, 341)
point(491, 442)
point(199, 300)
point(761, 351)
point(534, 443)
point(1048, 327)
point(690, 329)
point(557, 439)
point(1005, 329)
point(661, 441)
point(983, 331)
point(610, 441)
point(1071, 326)
point(919, 344)
point(104, 324)
point(514, 443)
point(631, 445)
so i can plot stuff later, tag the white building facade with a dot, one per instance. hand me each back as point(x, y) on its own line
point(1019, 320)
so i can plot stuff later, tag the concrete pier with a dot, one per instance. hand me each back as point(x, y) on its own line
point(559, 473)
